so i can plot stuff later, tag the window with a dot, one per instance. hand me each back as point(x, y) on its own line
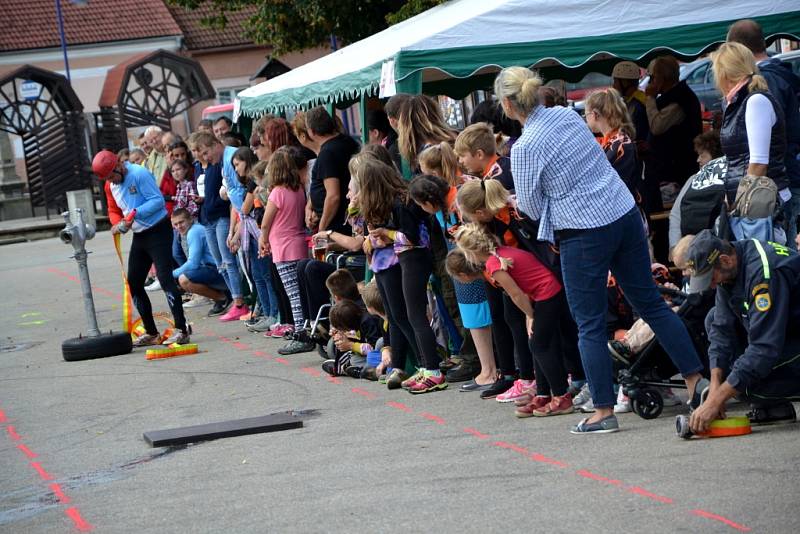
point(226, 96)
point(698, 75)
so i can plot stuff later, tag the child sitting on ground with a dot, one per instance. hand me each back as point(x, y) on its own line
point(355, 332)
point(371, 296)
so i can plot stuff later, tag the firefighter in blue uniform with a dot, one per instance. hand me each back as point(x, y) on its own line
point(753, 329)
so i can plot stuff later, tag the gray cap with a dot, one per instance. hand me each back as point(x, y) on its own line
point(702, 255)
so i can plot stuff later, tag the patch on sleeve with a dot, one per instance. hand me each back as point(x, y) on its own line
point(763, 302)
point(759, 288)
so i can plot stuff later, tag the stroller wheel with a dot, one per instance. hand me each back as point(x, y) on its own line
point(647, 403)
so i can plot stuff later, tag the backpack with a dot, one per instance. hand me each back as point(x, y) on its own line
point(702, 201)
point(526, 230)
point(756, 197)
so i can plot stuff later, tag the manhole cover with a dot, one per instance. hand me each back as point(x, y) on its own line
point(18, 347)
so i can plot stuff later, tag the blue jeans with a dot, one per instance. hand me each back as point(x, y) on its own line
point(586, 258)
point(216, 235)
point(262, 278)
point(792, 211)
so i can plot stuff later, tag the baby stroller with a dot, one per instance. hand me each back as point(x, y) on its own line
point(652, 368)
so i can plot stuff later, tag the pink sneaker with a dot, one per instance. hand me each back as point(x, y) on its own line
point(235, 312)
point(279, 331)
point(521, 390)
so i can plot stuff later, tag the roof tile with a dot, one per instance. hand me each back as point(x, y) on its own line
point(31, 24)
point(198, 37)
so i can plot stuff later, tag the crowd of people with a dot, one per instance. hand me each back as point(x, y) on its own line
point(507, 258)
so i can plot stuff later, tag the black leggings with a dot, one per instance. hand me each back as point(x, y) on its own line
point(509, 334)
point(311, 276)
point(154, 246)
point(417, 265)
point(401, 333)
point(551, 320)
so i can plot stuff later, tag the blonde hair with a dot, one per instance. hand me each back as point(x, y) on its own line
point(202, 139)
point(420, 121)
point(299, 126)
point(442, 159)
point(477, 195)
point(609, 105)
point(259, 172)
point(733, 62)
point(457, 263)
point(678, 254)
point(520, 86)
point(371, 296)
point(478, 136)
point(474, 239)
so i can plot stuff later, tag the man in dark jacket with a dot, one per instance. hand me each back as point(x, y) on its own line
point(784, 86)
point(673, 114)
point(758, 295)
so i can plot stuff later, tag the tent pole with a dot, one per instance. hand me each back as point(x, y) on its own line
point(362, 111)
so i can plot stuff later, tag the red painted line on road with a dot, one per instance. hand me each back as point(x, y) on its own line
point(79, 522)
point(599, 478)
point(364, 393)
point(310, 371)
point(435, 418)
point(241, 346)
point(12, 432)
point(260, 354)
point(479, 435)
point(224, 339)
point(284, 361)
point(721, 519)
point(42, 473)
point(546, 460)
point(2, 417)
point(399, 406)
point(333, 379)
point(511, 447)
point(26, 451)
point(56, 489)
point(98, 289)
point(644, 493)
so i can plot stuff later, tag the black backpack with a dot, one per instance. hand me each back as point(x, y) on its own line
point(526, 230)
point(702, 201)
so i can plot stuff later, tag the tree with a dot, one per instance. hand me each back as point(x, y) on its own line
point(291, 25)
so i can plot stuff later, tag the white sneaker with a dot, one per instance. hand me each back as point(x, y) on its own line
point(198, 300)
point(586, 407)
point(155, 286)
point(623, 404)
point(670, 399)
point(582, 397)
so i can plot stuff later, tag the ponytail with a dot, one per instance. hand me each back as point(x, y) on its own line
point(476, 195)
point(520, 86)
point(757, 83)
point(475, 241)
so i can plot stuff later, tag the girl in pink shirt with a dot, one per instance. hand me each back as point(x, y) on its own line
point(282, 228)
point(538, 293)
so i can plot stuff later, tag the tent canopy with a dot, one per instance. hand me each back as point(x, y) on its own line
point(562, 38)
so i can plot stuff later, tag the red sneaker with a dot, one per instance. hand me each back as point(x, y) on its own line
point(527, 410)
point(558, 406)
point(428, 382)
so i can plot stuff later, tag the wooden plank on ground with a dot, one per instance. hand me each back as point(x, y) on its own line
point(223, 429)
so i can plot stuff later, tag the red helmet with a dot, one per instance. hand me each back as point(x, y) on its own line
point(104, 163)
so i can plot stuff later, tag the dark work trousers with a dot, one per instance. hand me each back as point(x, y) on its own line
point(154, 246)
point(509, 334)
point(311, 276)
point(551, 321)
point(416, 265)
point(401, 333)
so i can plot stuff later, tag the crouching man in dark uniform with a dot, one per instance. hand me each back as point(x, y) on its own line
point(758, 293)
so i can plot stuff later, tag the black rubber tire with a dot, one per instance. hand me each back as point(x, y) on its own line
point(102, 346)
point(647, 403)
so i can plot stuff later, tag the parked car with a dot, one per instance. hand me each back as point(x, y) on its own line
point(792, 58)
point(700, 77)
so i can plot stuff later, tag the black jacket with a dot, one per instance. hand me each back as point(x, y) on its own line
point(765, 299)
point(733, 137)
point(673, 151)
point(785, 87)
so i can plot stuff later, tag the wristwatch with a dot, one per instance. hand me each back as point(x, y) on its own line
point(328, 234)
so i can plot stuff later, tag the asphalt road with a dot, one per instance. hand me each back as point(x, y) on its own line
point(72, 456)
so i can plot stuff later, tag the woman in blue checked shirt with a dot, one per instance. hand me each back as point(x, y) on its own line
point(563, 179)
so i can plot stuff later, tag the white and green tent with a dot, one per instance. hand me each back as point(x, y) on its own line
point(458, 46)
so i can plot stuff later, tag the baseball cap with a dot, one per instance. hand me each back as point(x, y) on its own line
point(626, 70)
point(701, 257)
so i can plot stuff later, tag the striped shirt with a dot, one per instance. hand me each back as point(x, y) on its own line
point(562, 177)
